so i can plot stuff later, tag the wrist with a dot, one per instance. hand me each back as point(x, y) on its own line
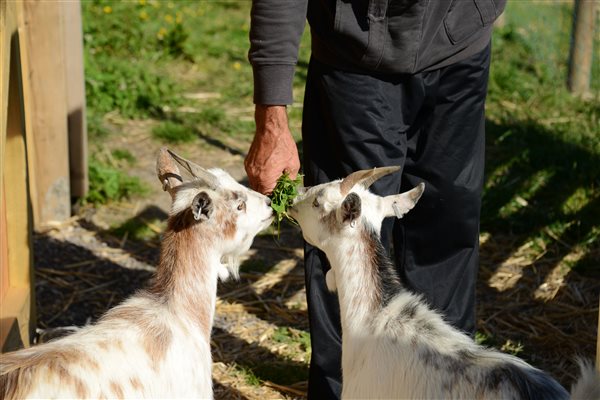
point(271, 119)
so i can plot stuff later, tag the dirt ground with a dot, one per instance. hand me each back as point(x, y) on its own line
point(83, 267)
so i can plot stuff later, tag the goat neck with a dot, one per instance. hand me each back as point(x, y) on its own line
point(186, 276)
point(366, 278)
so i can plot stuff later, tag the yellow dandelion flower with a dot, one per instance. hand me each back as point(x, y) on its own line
point(170, 5)
point(237, 65)
point(142, 2)
point(143, 15)
point(107, 9)
point(169, 18)
point(161, 33)
point(178, 17)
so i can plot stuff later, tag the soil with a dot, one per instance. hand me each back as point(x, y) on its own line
point(83, 267)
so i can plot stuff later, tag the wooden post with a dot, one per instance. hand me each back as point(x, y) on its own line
point(44, 82)
point(582, 44)
point(73, 38)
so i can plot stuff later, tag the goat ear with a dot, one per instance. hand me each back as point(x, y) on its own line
point(167, 171)
point(399, 204)
point(351, 208)
point(202, 207)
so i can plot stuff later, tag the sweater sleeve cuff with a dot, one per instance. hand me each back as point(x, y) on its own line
point(273, 84)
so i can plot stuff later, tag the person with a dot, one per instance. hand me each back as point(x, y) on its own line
point(389, 82)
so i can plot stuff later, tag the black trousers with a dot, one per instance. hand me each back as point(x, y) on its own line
point(431, 124)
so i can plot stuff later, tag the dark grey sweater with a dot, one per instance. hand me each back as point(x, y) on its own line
point(383, 36)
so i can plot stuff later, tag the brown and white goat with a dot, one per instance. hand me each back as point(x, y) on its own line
point(394, 346)
point(156, 344)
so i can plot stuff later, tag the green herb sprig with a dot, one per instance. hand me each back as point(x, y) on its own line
point(282, 197)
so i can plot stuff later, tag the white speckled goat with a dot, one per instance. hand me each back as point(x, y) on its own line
point(393, 345)
point(157, 343)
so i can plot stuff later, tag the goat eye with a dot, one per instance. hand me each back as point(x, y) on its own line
point(316, 203)
point(242, 206)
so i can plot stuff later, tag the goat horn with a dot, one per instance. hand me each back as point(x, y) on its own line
point(197, 171)
point(167, 171)
point(364, 177)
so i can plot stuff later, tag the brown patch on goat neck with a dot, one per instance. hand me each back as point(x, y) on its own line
point(181, 252)
point(103, 344)
point(117, 390)
point(156, 343)
point(183, 261)
point(135, 383)
point(80, 388)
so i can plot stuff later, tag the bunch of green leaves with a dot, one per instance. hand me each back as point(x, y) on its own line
point(283, 195)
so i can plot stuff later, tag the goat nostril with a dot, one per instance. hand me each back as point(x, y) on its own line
point(268, 201)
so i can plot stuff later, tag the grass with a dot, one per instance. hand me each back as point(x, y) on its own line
point(124, 155)
point(108, 183)
point(295, 338)
point(173, 132)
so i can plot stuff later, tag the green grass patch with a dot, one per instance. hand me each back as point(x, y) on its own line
point(173, 132)
point(249, 377)
point(127, 86)
point(108, 183)
point(124, 155)
point(293, 337)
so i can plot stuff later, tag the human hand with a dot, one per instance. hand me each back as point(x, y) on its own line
point(273, 150)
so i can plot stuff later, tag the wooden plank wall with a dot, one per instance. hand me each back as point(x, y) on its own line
point(44, 85)
point(16, 305)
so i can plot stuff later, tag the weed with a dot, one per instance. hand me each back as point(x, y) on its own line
point(95, 127)
point(482, 339)
point(128, 87)
point(249, 376)
point(294, 337)
point(174, 41)
point(173, 132)
point(513, 348)
point(110, 184)
point(124, 155)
